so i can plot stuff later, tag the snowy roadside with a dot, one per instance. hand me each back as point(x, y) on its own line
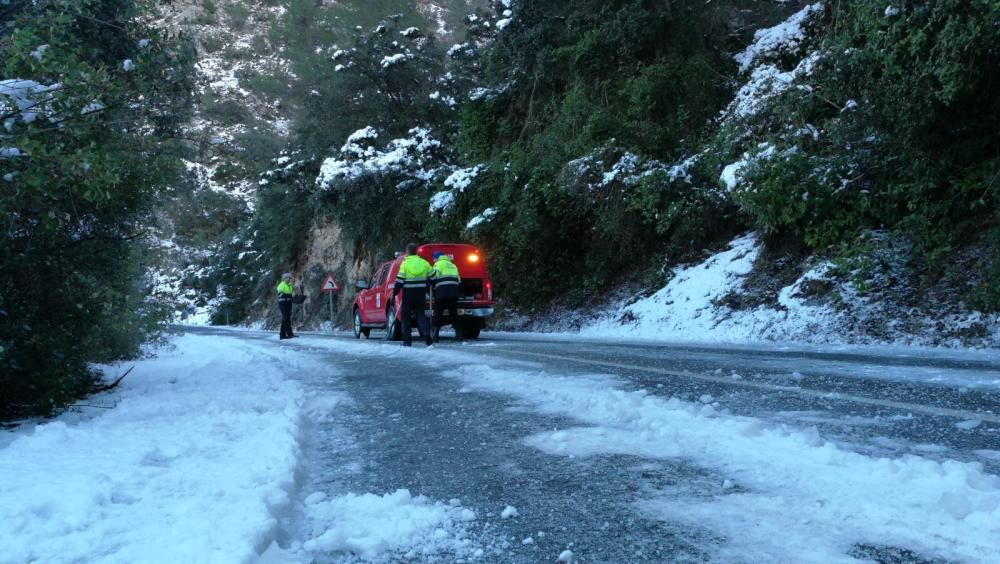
point(199, 458)
point(195, 462)
point(703, 304)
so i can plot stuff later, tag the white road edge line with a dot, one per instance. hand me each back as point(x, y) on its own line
point(925, 409)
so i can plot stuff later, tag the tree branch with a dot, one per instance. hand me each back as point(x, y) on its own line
point(111, 386)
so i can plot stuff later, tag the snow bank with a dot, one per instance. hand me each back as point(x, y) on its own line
point(783, 494)
point(697, 306)
point(193, 464)
point(686, 308)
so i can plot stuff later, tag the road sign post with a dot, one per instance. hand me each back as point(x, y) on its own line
point(330, 287)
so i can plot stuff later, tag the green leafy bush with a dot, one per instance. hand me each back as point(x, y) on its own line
point(94, 148)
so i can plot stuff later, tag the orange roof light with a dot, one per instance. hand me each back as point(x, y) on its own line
point(473, 257)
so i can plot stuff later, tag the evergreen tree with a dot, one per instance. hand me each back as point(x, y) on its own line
point(91, 98)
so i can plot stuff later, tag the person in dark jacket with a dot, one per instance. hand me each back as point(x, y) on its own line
point(445, 282)
point(412, 280)
point(285, 292)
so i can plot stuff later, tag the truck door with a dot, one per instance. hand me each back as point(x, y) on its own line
point(378, 295)
point(388, 282)
point(368, 299)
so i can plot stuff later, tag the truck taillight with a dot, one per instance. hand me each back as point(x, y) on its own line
point(489, 291)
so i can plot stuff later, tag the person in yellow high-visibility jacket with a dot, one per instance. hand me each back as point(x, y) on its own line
point(445, 282)
point(285, 292)
point(413, 279)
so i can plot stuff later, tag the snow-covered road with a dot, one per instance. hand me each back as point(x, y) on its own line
point(514, 450)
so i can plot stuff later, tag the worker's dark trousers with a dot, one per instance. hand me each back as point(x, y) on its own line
point(440, 306)
point(286, 319)
point(414, 304)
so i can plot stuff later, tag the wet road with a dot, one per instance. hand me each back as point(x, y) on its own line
point(405, 425)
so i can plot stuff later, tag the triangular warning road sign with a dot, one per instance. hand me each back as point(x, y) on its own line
point(330, 285)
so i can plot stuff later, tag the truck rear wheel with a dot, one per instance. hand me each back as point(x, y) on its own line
point(468, 329)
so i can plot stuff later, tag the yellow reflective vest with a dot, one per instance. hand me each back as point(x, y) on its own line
point(445, 278)
point(285, 291)
point(413, 274)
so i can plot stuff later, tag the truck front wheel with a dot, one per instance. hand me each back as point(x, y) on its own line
point(358, 329)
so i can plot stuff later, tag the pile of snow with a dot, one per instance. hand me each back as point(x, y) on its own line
point(625, 166)
point(370, 525)
point(410, 156)
point(461, 49)
point(762, 59)
point(783, 494)
point(193, 463)
point(627, 169)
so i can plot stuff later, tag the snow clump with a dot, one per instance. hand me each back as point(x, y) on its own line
point(459, 49)
point(731, 175)
point(457, 181)
point(783, 38)
point(441, 202)
point(39, 52)
point(766, 82)
point(463, 177)
point(395, 59)
point(485, 217)
point(408, 156)
point(508, 512)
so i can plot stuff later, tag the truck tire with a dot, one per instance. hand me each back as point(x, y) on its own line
point(468, 329)
point(358, 329)
point(392, 332)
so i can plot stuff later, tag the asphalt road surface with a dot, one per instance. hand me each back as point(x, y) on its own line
point(407, 426)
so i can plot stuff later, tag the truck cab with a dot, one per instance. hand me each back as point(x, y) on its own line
point(373, 310)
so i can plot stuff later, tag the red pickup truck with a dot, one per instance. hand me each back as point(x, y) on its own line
point(373, 310)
